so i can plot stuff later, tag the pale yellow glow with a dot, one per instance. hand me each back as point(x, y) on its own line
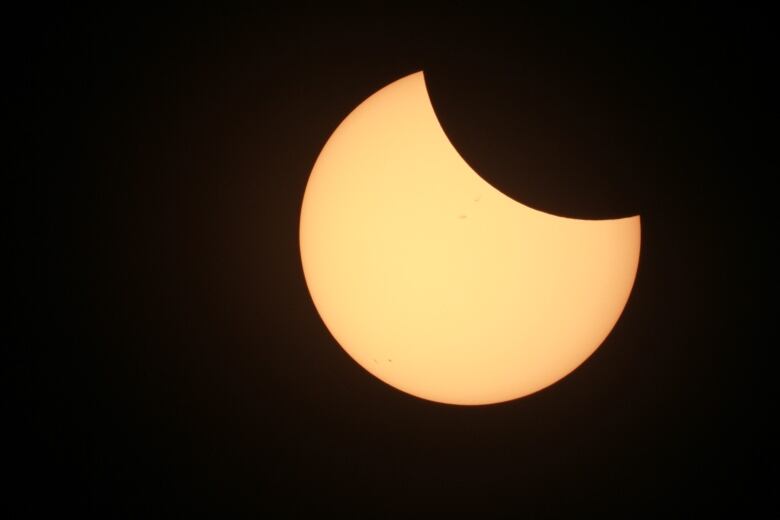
point(436, 282)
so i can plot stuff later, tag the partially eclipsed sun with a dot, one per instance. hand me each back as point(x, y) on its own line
point(436, 282)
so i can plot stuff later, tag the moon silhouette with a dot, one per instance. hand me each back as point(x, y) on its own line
point(436, 282)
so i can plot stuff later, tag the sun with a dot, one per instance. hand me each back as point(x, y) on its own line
point(436, 282)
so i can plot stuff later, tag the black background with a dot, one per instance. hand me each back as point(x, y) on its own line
point(165, 354)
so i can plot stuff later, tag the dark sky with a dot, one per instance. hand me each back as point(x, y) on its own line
point(166, 357)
